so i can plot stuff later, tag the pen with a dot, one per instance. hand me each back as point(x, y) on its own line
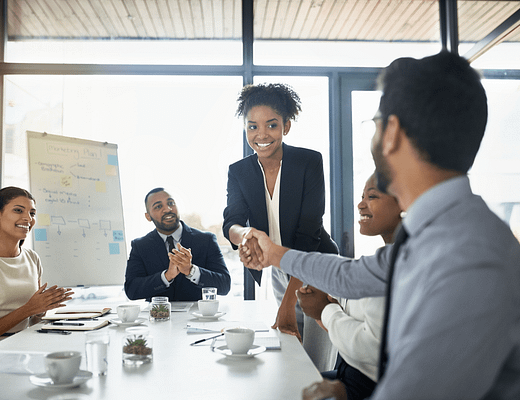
point(81, 319)
point(203, 340)
point(59, 331)
point(68, 323)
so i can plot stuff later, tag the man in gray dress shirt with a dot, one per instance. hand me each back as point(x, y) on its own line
point(454, 321)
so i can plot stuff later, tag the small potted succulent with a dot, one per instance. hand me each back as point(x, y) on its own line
point(160, 309)
point(137, 347)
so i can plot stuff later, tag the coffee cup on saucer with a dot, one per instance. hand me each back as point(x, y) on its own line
point(208, 308)
point(62, 366)
point(239, 340)
point(128, 312)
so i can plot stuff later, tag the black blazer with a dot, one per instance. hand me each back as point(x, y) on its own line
point(149, 258)
point(302, 200)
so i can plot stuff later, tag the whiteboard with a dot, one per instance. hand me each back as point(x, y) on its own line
point(79, 231)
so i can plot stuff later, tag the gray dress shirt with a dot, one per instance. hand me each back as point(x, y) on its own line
point(454, 329)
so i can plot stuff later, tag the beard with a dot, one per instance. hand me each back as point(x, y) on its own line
point(383, 175)
point(170, 225)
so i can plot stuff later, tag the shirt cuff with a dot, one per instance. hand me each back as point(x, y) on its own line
point(196, 275)
point(327, 315)
point(163, 277)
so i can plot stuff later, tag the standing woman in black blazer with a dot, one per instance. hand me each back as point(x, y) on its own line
point(280, 190)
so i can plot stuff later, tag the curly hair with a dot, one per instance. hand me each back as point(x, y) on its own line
point(281, 98)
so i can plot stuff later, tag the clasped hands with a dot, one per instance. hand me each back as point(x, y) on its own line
point(180, 262)
point(254, 251)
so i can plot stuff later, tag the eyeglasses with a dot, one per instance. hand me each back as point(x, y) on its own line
point(369, 126)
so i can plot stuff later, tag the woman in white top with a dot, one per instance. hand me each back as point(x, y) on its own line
point(280, 190)
point(22, 296)
point(355, 330)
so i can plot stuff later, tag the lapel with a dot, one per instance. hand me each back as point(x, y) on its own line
point(256, 190)
point(157, 251)
point(290, 190)
point(186, 238)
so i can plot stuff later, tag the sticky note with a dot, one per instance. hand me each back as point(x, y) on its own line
point(112, 159)
point(113, 248)
point(118, 236)
point(40, 235)
point(43, 219)
point(66, 181)
point(110, 170)
point(101, 187)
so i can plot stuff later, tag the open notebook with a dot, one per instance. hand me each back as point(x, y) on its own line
point(75, 325)
point(76, 313)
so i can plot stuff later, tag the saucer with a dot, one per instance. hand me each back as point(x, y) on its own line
point(118, 321)
point(45, 381)
point(208, 317)
point(253, 351)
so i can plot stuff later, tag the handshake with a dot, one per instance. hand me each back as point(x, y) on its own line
point(257, 251)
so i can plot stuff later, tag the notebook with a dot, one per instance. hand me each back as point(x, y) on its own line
point(75, 325)
point(76, 313)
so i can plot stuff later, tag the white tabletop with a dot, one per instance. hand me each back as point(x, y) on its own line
point(178, 370)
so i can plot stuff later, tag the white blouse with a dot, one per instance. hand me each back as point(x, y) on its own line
point(273, 207)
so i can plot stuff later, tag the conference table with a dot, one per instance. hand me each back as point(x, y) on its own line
point(178, 370)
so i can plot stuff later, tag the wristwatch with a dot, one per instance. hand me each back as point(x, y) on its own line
point(192, 271)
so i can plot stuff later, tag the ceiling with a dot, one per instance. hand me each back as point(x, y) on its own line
point(329, 20)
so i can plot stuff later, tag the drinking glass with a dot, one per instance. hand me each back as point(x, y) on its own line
point(96, 349)
point(209, 293)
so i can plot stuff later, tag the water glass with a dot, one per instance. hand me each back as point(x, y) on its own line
point(209, 293)
point(96, 349)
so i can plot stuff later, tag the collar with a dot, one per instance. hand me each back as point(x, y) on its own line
point(176, 235)
point(434, 202)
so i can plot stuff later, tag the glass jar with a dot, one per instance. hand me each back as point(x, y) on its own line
point(137, 346)
point(160, 309)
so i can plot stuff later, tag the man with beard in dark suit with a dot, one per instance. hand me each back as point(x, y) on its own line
point(173, 260)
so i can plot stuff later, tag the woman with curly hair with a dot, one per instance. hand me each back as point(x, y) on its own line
point(280, 190)
point(22, 296)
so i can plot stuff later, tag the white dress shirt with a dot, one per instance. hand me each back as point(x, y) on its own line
point(195, 278)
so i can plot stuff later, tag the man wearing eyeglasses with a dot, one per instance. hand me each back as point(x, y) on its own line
point(453, 318)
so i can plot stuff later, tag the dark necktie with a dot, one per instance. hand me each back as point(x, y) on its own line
point(169, 240)
point(401, 237)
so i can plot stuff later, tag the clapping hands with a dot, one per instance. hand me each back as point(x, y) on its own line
point(180, 262)
point(46, 299)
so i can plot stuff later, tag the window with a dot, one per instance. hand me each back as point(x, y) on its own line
point(179, 32)
point(496, 172)
point(175, 132)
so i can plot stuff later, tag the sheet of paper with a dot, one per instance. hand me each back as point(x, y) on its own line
point(177, 306)
point(219, 326)
point(181, 306)
point(28, 363)
point(269, 340)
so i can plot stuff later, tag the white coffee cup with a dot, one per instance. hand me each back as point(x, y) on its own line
point(62, 366)
point(128, 312)
point(208, 308)
point(239, 340)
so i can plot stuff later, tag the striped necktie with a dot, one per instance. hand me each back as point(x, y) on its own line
point(401, 237)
